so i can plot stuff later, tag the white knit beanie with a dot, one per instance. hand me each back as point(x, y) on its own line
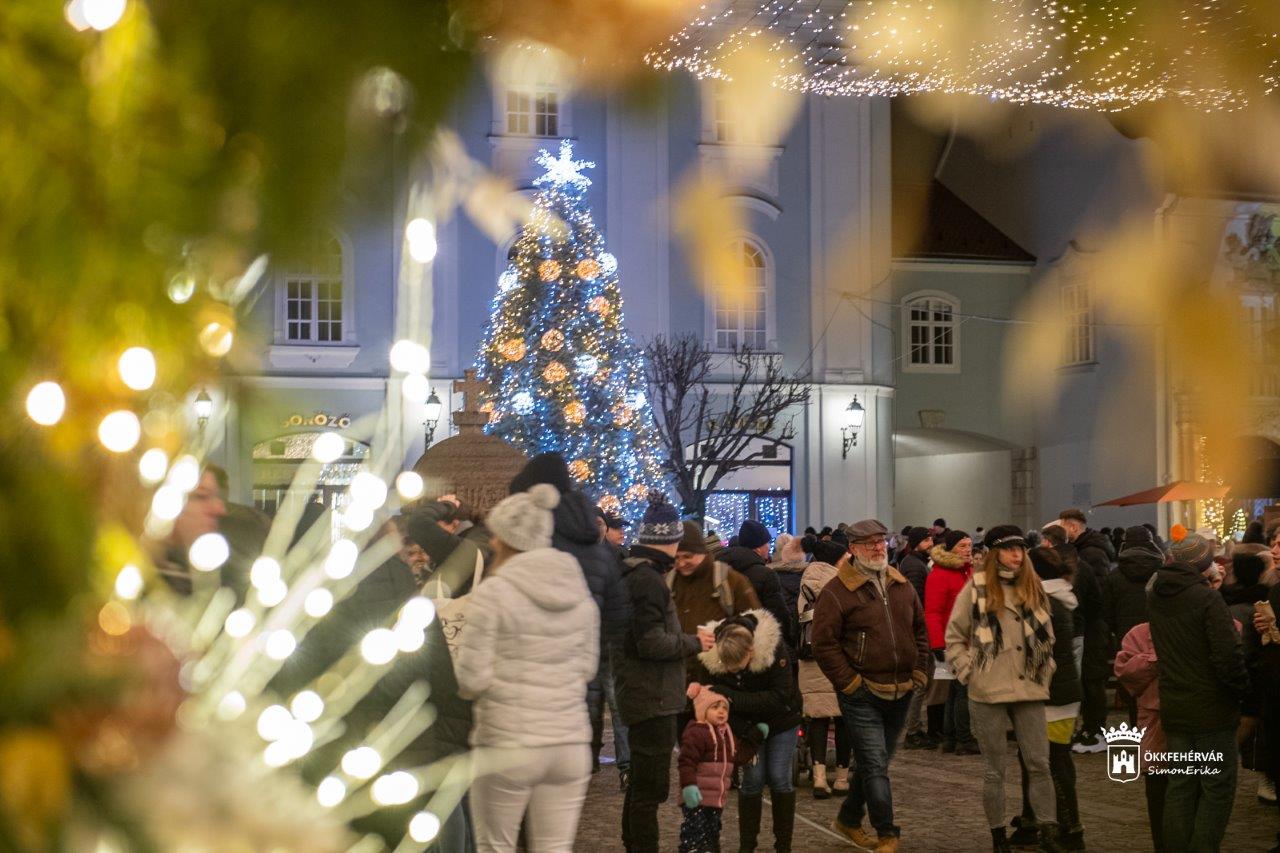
point(524, 520)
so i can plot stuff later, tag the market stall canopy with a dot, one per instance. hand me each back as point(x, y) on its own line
point(1178, 490)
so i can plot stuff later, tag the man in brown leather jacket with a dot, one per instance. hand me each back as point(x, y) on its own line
point(870, 640)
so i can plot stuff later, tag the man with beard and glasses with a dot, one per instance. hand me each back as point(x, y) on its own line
point(870, 640)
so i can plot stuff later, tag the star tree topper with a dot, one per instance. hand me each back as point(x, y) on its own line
point(564, 169)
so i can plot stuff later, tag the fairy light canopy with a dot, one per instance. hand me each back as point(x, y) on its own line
point(1092, 54)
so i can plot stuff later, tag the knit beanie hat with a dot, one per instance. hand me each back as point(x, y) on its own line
point(692, 542)
point(703, 701)
point(661, 523)
point(916, 535)
point(543, 468)
point(524, 520)
point(953, 538)
point(1139, 542)
point(713, 541)
point(753, 534)
point(788, 549)
point(828, 551)
point(1191, 548)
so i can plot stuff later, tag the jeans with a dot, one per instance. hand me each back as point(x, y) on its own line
point(816, 736)
point(773, 764)
point(652, 741)
point(1197, 807)
point(874, 725)
point(955, 720)
point(549, 782)
point(990, 722)
point(607, 694)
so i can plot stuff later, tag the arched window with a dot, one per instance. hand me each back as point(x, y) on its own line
point(930, 334)
point(741, 317)
point(315, 294)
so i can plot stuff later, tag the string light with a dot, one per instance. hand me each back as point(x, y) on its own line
point(328, 447)
point(1085, 55)
point(46, 403)
point(424, 827)
point(152, 465)
point(342, 559)
point(209, 552)
point(129, 582)
point(409, 485)
point(331, 791)
point(137, 368)
point(318, 602)
point(361, 762)
point(119, 431)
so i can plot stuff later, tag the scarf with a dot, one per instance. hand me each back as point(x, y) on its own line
point(989, 635)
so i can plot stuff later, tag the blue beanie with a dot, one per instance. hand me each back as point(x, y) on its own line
point(661, 523)
point(753, 534)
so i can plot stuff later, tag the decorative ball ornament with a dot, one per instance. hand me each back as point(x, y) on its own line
point(608, 263)
point(622, 414)
point(579, 469)
point(575, 413)
point(555, 372)
point(610, 504)
point(508, 280)
point(512, 349)
point(549, 270)
point(637, 492)
point(636, 399)
point(588, 268)
point(553, 340)
point(587, 364)
point(522, 403)
point(599, 305)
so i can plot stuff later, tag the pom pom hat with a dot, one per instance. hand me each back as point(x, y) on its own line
point(661, 523)
point(524, 520)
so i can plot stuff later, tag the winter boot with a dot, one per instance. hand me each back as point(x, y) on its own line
point(887, 844)
point(1049, 840)
point(821, 790)
point(748, 821)
point(1025, 833)
point(841, 784)
point(999, 842)
point(859, 836)
point(784, 820)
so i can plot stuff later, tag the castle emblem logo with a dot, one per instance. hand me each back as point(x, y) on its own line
point(1124, 753)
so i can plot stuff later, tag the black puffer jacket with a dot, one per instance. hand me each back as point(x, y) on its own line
point(1065, 687)
point(648, 665)
point(765, 691)
point(767, 586)
point(915, 568)
point(576, 533)
point(1202, 671)
point(1124, 594)
point(1091, 565)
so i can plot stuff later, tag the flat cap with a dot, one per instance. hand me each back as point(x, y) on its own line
point(866, 529)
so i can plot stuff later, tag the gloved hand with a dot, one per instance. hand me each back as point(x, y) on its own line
point(764, 729)
point(692, 796)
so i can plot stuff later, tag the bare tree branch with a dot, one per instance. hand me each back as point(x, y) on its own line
point(719, 419)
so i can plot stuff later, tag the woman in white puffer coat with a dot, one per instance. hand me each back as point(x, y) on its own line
point(529, 648)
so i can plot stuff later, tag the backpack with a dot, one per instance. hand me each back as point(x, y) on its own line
point(722, 593)
point(809, 597)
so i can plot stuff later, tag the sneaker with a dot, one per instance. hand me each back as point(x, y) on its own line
point(1087, 743)
point(860, 838)
point(1266, 791)
point(624, 779)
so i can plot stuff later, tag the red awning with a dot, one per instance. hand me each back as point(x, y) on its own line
point(1179, 490)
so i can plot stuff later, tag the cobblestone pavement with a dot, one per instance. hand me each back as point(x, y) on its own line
point(938, 804)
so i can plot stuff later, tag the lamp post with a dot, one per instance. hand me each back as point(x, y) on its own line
point(431, 411)
point(203, 408)
point(853, 418)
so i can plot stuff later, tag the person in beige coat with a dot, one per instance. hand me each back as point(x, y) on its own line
point(821, 710)
point(1000, 644)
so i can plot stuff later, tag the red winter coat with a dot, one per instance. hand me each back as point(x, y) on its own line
point(706, 759)
point(940, 590)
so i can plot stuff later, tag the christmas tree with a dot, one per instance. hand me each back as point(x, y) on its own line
point(564, 372)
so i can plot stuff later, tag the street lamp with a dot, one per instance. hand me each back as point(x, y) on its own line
point(204, 408)
point(853, 418)
point(431, 411)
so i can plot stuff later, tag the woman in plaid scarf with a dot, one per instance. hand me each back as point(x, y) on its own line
point(1000, 644)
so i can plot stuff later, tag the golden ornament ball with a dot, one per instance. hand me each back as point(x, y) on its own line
point(599, 305)
point(553, 340)
point(549, 270)
point(575, 412)
point(637, 492)
point(610, 504)
point(579, 469)
point(555, 372)
point(512, 349)
point(588, 268)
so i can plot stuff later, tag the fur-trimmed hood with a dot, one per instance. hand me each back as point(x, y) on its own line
point(764, 648)
point(946, 559)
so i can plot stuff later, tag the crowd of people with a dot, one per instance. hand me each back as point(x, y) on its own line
point(747, 662)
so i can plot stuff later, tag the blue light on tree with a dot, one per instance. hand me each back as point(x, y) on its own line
point(565, 373)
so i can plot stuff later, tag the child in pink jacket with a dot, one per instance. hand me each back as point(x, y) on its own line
point(1135, 668)
point(708, 753)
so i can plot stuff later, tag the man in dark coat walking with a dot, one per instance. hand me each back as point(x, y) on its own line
point(1092, 565)
point(1202, 681)
point(748, 557)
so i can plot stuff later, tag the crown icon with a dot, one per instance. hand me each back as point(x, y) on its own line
point(1124, 733)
